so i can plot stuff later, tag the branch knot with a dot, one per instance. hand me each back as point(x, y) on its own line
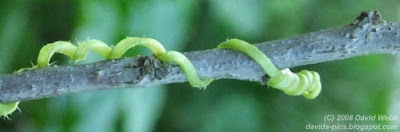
point(366, 17)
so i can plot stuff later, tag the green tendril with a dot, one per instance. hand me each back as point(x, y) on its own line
point(79, 53)
point(98, 46)
point(187, 68)
point(48, 51)
point(306, 83)
point(8, 108)
point(253, 52)
point(125, 44)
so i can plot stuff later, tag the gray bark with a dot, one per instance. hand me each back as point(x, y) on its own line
point(368, 34)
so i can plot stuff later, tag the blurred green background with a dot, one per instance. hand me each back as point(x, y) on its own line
point(357, 86)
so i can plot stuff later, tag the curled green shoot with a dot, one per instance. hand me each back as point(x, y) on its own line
point(306, 83)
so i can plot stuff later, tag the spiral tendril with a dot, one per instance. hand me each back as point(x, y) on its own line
point(78, 53)
point(306, 83)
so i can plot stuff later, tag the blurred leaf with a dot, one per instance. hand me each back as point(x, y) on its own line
point(242, 17)
point(12, 39)
point(94, 111)
point(236, 113)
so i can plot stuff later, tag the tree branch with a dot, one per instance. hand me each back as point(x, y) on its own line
point(368, 34)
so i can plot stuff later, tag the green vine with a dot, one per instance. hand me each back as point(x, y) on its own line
point(8, 108)
point(306, 83)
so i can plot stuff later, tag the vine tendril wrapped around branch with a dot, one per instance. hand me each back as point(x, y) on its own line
point(305, 82)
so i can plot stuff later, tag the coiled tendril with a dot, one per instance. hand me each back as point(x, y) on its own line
point(79, 52)
point(306, 83)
